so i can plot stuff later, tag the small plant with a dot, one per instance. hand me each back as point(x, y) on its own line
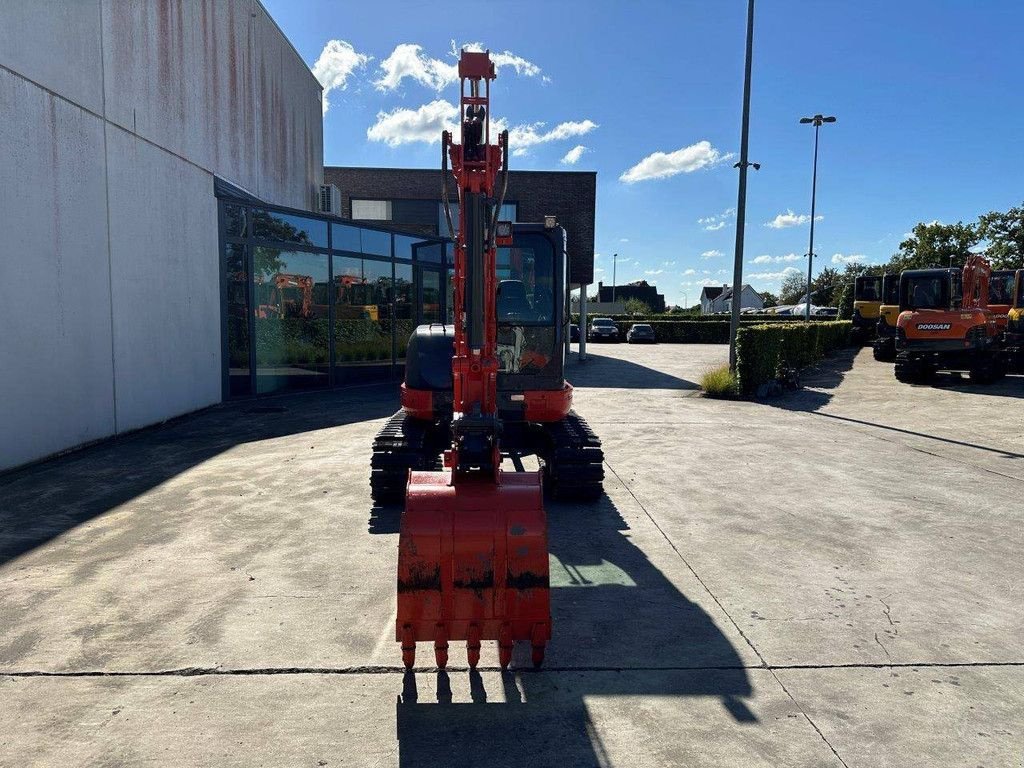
point(718, 382)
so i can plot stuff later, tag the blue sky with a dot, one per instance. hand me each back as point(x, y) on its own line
point(927, 96)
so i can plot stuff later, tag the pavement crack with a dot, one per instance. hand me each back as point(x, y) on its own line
point(384, 669)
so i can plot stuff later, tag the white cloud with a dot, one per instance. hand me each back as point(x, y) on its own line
point(668, 263)
point(714, 253)
point(522, 137)
point(654, 271)
point(337, 61)
point(661, 165)
point(718, 221)
point(690, 272)
point(407, 60)
point(722, 272)
point(598, 270)
point(790, 219)
point(623, 239)
point(851, 258)
point(573, 156)
point(766, 259)
point(403, 126)
point(771, 277)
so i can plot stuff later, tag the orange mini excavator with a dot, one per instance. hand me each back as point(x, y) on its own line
point(472, 551)
point(945, 324)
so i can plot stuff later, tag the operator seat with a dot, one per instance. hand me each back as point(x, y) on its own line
point(512, 302)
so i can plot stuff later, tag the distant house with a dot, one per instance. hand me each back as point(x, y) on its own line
point(639, 290)
point(718, 298)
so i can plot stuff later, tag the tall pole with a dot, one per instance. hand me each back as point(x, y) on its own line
point(814, 194)
point(615, 259)
point(741, 201)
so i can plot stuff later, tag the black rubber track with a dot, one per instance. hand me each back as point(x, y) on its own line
point(574, 467)
point(403, 444)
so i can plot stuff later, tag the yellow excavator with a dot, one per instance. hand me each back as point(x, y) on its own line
point(1015, 325)
point(867, 299)
point(884, 346)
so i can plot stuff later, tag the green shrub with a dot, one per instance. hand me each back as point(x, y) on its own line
point(763, 350)
point(718, 382)
point(683, 331)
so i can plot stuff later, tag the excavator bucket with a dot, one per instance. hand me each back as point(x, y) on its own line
point(473, 565)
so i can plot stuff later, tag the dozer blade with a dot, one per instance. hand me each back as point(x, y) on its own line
point(473, 565)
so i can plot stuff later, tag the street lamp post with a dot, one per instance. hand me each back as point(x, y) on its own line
point(615, 259)
point(816, 121)
point(741, 197)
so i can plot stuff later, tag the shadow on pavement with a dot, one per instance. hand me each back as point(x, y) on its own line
point(611, 372)
point(43, 501)
point(614, 613)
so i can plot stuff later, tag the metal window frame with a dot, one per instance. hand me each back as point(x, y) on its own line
point(249, 243)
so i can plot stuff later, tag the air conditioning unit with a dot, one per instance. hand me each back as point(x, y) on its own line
point(330, 199)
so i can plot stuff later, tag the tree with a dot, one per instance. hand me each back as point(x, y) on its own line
point(934, 245)
point(637, 307)
point(792, 288)
point(1004, 234)
point(825, 287)
point(769, 299)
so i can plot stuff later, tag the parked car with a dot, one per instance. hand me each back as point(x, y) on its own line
point(574, 333)
point(603, 329)
point(640, 333)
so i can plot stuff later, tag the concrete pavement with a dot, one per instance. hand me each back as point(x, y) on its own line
point(830, 578)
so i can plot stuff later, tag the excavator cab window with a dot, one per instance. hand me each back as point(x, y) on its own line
point(526, 305)
point(931, 290)
point(867, 288)
point(891, 289)
point(1000, 287)
point(1020, 290)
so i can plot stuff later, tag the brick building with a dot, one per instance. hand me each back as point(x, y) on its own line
point(641, 290)
point(410, 199)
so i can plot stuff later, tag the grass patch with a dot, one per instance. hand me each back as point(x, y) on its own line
point(718, 382)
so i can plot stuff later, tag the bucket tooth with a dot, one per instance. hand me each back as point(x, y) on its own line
point(473, 645)
point(441, 646)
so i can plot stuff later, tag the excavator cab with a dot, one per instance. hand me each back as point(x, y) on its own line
point(867, 298)
point(884, 346)
point(945, 324)
point(1015, 324)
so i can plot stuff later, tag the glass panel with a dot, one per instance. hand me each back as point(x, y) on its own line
point(405, 245)
point(1000, 288)
point(404, 303)
point(450, 297)
point(234, 220)
point(526, 276)
point(291, 317)
point(430, 252)
point(345, 238)
point(376, 243)
point(509, 212)
point(526, 349)
point(430, 290)
point(238, 319)
point(927, 291)
point(362, 323)
point(288, 228)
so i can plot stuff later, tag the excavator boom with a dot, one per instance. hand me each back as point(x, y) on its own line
point(473, 558)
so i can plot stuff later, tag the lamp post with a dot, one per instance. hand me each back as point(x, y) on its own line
point(816, 121)
point(615, 259)
point(741, 197)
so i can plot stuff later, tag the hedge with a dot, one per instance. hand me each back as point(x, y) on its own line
point(682, 317)
point(762, 350)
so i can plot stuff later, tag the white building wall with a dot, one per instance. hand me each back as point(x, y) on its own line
point(116, 116)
